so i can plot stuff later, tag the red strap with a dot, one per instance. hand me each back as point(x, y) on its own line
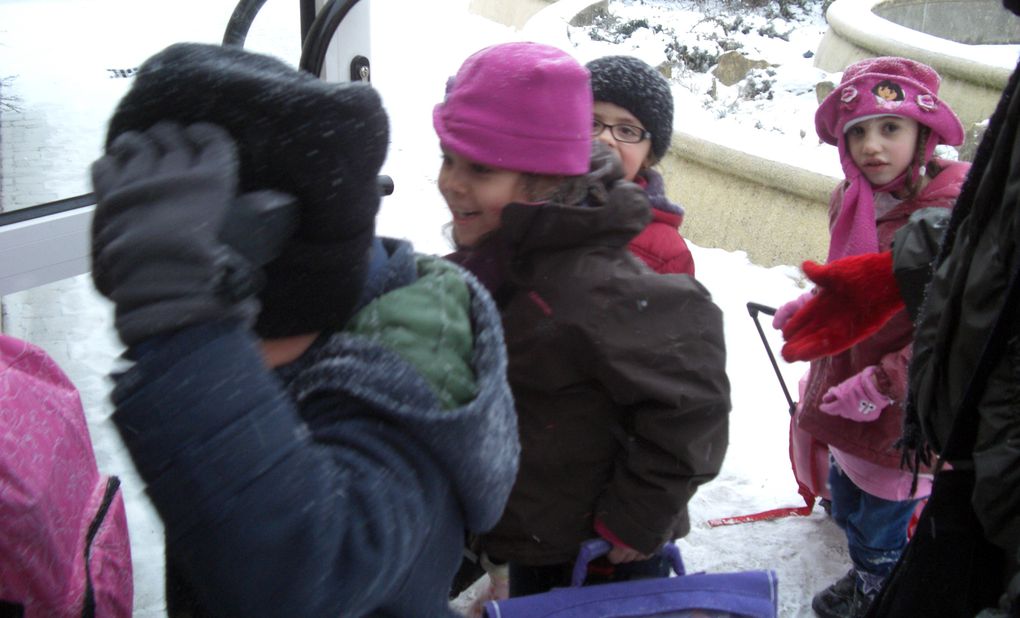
point(802, 511)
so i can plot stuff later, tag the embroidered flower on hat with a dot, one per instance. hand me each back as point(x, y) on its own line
point(927, 102)
point(849, 97)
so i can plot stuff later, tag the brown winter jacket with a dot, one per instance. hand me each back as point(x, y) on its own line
point(888, 349)
point(618, 376)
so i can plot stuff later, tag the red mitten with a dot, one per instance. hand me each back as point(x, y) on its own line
point(854, 297)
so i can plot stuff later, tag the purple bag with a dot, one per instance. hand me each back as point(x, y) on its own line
point(64, 547)
point(750, 594)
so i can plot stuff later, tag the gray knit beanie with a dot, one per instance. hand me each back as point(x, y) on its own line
point(637, 87)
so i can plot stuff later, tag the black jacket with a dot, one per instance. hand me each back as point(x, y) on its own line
point(978, 259)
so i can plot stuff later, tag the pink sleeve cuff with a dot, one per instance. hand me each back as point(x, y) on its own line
point(607, 534)
point(869, 383)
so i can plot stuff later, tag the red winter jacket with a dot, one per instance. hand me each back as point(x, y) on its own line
point(660, 244)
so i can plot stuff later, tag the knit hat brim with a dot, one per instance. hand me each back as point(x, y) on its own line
point(521, 153)
point(519, 106)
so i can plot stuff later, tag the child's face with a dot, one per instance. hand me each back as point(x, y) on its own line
point(476, 195)
point(634, 156)
point(883, 147)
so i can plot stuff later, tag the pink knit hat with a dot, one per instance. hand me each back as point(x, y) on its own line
point(525, 107)
point(885, 86)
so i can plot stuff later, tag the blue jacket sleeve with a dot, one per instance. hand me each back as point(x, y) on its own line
point(271, 520)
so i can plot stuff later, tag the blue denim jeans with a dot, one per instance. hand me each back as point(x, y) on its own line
point(876, 529)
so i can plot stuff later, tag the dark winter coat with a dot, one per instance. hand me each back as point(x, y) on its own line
point(340, 486)
point(618, 376)
point(660, 244)
point(888, 349)
point(966, 294)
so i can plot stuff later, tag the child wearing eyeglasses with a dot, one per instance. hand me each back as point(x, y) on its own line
point(634, 117)
point(622, 409)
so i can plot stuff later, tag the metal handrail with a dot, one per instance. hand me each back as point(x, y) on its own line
point(320, 34)
point(317, 30)
point(240, 22)
point(307, 17)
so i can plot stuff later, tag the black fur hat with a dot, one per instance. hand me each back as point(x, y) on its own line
point(323, 143)
point(641, 90)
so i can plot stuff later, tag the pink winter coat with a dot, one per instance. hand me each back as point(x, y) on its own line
point(889, 349)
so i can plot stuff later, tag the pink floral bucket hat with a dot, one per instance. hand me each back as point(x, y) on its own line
point(887, 86)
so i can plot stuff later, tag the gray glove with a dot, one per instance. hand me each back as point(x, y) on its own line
point(163, 197)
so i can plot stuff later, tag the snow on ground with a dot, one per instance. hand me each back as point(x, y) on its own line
point(61, 50)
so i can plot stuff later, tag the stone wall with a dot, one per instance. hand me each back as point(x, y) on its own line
point(775, 212)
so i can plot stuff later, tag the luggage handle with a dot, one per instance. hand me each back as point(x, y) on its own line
point(595, 548)
point(754, 309)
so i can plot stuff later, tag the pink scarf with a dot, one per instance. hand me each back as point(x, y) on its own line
point(854, 231)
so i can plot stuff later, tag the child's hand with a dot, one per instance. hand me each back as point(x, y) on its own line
point(162, 197)
point(620, 551)
point(620, 554)
point(787, 311)
point(496, 589)
point(857, 398)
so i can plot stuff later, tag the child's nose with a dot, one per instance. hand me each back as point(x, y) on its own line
point(872, 143)
point(451, 182)
point(606, 137)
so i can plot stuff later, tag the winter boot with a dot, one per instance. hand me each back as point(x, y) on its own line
point(837, 600)
point(861, 603)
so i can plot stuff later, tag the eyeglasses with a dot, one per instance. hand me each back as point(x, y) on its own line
point(626, 133)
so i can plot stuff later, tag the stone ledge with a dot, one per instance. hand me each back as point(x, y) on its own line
point(777, 213)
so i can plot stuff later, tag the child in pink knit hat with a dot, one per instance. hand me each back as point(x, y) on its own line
point(622, 407)
point(885, 118)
